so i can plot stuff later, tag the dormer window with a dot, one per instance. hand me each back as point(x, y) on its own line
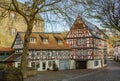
point(45, 40)
point(59, 41)
point(33, 40)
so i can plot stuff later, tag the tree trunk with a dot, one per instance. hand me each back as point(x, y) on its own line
point(102, 63)
point(25, 48)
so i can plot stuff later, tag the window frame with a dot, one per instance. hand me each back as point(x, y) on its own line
point(33, 39)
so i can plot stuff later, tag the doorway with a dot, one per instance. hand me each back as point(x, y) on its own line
point(43, 65)
point(81, 64)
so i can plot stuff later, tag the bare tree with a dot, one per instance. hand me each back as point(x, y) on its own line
point(106, 11)
point(29, 10)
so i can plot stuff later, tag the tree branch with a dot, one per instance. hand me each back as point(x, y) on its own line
point(16, 6)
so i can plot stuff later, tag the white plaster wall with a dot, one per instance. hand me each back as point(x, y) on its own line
point(57, 62)
point(119, 50)
point(119, 53)
point(91, 65)
point(47, 65)
point(116, 52)
point(72, 64)
point(29, 64)
point(16, 64)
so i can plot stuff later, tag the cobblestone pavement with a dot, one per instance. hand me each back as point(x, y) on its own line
point(60, 75)
point(111, 73)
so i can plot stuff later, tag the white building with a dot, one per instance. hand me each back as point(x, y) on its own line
point(46, 50)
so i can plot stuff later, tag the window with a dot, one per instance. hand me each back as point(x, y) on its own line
point(36, 23)
point(105, 61)
point(12, 16)
point(12, 31)
point(20, 51)
point(33, 64)
point(79, 41)
point(33, 40)
point(96, 62)
point(59, 41)
point(82, 41)
point(37, 64)
point(32, 54)
point(49, 63)
point(43, 65)
point(45, 40)
point(85, 52)
point(18, 41)
point(18, 64)
point(82, 52)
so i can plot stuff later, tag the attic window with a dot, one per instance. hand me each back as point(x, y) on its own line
point(59, 41)
point(45, 40)
point(33, 40)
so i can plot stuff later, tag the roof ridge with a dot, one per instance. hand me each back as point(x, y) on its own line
point(43, 32)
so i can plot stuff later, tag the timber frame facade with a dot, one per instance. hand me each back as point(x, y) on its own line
point(45, 49)
point(116, 46)
point(88, 43)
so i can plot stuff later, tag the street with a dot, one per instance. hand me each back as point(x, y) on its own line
point(111, 73)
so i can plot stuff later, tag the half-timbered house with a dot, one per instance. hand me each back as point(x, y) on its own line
point(116, 46)
point(45, 50)
point(88, 44)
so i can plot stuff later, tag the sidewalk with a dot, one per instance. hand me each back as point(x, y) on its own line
point(60, 75)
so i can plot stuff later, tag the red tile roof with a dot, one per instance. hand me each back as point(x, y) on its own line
point(52, 42)
point(13, 57)
point(6, 49)
point(43, 35)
